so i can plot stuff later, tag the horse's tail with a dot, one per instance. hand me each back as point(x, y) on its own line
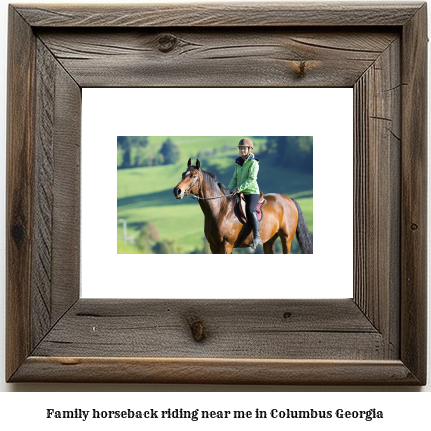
point(304, 238)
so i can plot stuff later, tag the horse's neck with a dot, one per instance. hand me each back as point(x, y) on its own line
point(210, 207)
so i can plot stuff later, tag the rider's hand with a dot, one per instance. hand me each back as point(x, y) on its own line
point(234, 191)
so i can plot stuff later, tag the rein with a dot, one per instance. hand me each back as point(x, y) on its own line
point(199, 198)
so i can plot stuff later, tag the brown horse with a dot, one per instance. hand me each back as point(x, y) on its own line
point(282, 215)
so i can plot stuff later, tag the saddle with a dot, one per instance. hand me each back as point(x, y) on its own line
point(241, 207)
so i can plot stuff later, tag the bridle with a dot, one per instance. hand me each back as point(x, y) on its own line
point(194, 196)
point(186, 193)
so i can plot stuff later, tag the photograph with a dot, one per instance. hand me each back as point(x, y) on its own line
point(214, 194)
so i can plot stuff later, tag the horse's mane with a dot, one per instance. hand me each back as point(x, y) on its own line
point(211, 178)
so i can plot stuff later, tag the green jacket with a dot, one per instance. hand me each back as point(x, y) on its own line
point(245, 176)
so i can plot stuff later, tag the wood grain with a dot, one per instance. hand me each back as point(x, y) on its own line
point(379, 337)
point(413, 194)
point(221, 15)
point(215, 371)
point(234, 329)
point(20, 196)
point(67, 194)
point(55, 266)
point(377, 100)
point(211, 57)
point(44, 196)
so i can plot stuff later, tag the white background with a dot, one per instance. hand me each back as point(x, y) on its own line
point(325, 114)
point(403, 409)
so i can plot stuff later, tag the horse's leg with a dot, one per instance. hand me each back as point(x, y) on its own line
point(214, 249)
point(227, 247)
point(268, 246)
point(286, 247)
point(286, 242)
point(224, 248)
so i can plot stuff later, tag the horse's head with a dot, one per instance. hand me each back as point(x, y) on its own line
point(191, 180)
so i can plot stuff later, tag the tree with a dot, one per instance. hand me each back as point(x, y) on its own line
point(124, 143)
point(204, 249)
point(170, 152)
point(163, 247)
point(150, 160)
point(129, 145)
point(167, 246)
point(298, 152)
point(148, 237)
point(292, 151)
point(121, 141)
point(140, 158)
point(271, 144)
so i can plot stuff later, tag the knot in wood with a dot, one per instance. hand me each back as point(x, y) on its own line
point(414, 226)
point(167, 42)
point(197, 328)
point(302, 68)
point(18, 233)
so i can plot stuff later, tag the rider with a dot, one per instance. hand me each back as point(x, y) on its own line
point(245, 180)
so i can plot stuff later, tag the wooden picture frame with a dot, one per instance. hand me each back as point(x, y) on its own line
point(378, 337)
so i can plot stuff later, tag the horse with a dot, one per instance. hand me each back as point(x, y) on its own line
point(283, 217)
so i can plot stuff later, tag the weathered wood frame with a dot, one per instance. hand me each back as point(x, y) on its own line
point(378, 337)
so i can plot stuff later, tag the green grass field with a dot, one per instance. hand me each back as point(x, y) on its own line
point(146, 194)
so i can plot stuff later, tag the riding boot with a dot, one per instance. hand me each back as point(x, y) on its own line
point(255, 226)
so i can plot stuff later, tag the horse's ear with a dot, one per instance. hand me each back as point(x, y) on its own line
point(189, 163)
point(198, 163)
